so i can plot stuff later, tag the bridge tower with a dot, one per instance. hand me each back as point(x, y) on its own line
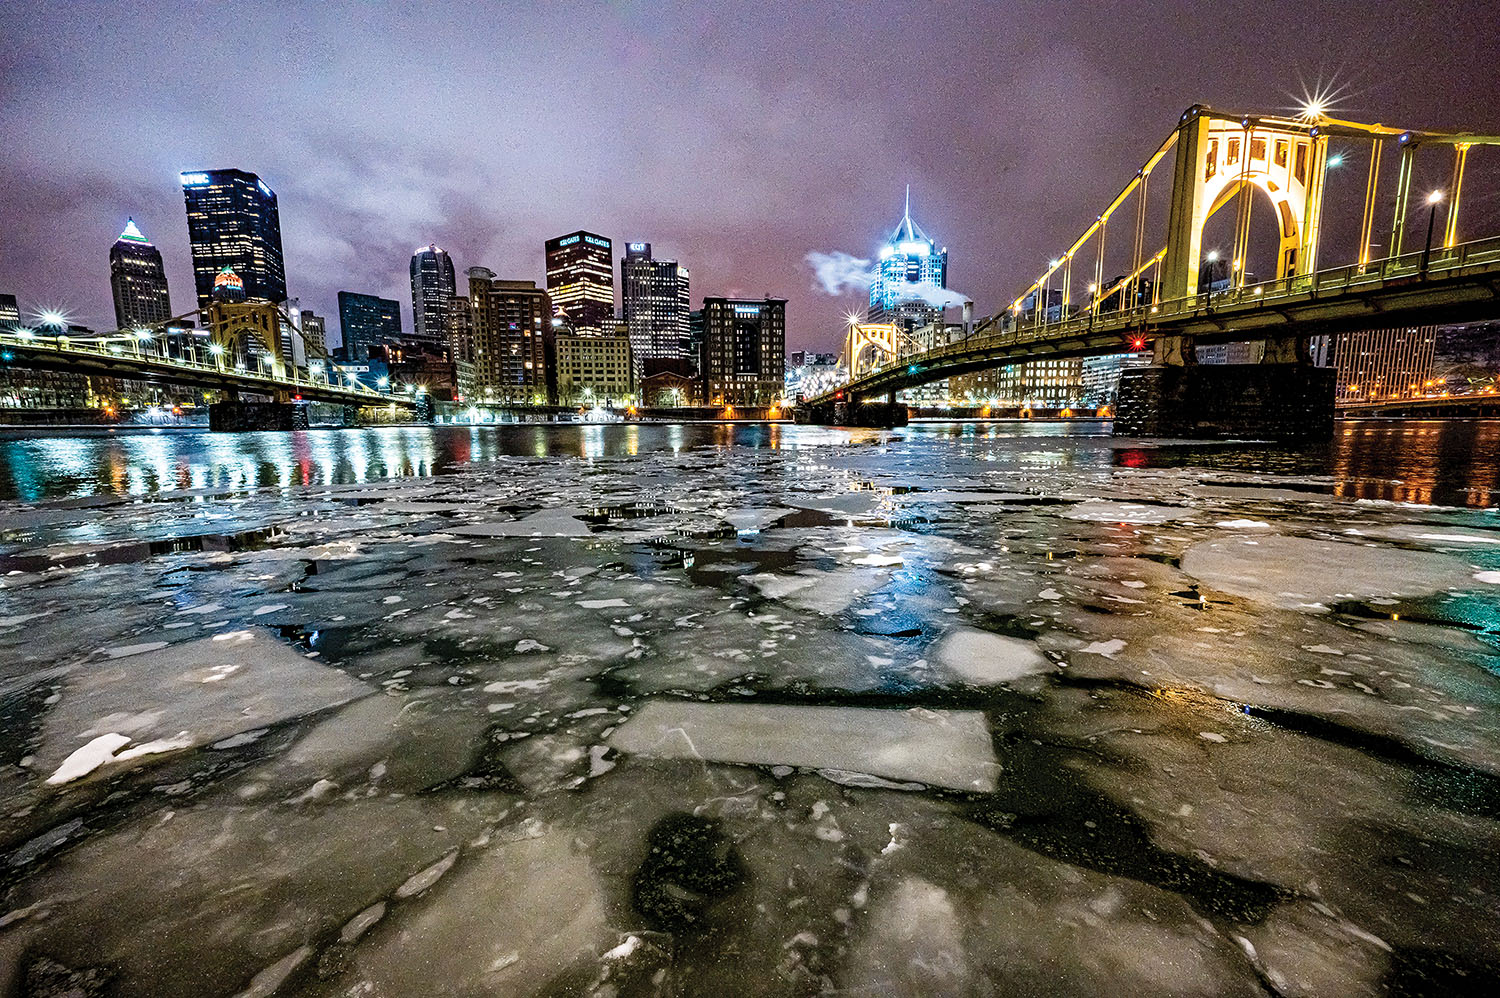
point(870, 344)
point(1221, 159)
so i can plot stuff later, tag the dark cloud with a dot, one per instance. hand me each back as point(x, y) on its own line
point(739, 137)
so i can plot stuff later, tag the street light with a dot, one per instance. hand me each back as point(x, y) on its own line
point(1432, 201)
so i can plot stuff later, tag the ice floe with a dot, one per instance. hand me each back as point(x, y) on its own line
point(943, 748)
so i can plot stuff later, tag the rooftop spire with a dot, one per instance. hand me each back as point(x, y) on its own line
point(133, 234)
point(906, 229)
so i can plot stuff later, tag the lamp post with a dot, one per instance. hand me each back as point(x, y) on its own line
point(1432, 201)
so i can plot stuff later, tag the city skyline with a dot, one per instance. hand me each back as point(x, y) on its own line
point(817, 147)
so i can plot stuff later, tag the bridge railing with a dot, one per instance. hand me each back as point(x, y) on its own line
point(112, 349)
point(1323, 283)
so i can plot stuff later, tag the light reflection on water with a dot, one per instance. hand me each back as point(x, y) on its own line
point(51, 466)
point(1426, 461)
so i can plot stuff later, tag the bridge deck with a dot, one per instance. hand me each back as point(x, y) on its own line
point(1461, 284)
point(99, 360)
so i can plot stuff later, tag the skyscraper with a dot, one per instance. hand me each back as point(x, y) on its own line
point(368, 323)
point(431, 295)
point(233, 221)
point(911, 278)
point(581, 280)
point(138, 280)
point(744, 350)
point(512, 321)
point(654, 298)
point(10, 312)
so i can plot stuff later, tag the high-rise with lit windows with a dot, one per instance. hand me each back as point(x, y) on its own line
point(911, 277)
point(655, 302)
point(431, 295)
point(233, 221)
point(581, 280)
point(511, 324)
point(744, 350)
point(138, 281)
point(368, 324)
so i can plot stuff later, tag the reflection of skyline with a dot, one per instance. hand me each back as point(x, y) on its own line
point(1454, 462)
point(1448, 462)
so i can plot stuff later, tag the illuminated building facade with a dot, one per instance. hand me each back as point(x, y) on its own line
point(233, 221)
point(1052, 383)
point(10, 311)
point(594, 369)
point(138, 281)
point(511, 323)
point(1379, 364)
point(654, 299)
point(581, 280)
point(315, 333)
point(812, 373)
point(1100, 379)
point(744, 350)
point(911, 277)
point(432, 290)
point(368, 324)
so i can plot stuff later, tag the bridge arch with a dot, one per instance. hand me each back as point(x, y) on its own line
point(869, 345)
point(1287, 212)
point(1218, 159)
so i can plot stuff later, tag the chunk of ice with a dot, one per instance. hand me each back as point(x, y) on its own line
point(977, 656)
point(946, 748)
point(90, 757)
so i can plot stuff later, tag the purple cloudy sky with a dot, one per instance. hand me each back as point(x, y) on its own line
point(736, 137)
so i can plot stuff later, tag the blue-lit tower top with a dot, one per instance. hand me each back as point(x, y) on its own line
point(911, 268)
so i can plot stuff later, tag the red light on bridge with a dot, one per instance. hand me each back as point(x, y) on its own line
point(1139, 344)
point(838, 395)
point(296, 398)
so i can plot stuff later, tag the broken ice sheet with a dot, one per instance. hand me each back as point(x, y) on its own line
point(1300, 572)
point(976, 656)
point(946, 748)
point(183, 695)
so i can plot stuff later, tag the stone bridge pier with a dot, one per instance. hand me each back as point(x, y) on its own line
point(885, 414)
point(1284, 397)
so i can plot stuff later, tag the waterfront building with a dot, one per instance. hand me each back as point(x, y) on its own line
point(138, 280)
point(10, 311)
point(432, 373)
point(594, 369)
point(695, 341)
point(233, 221)
point(511, 325)
point(654, 300)
point(460, 330)
point(911, 277)
point(581, 279)
point(1100, 377)
point(809, 374)
point(1380, 364)
point(365, 372)
point(369, 324)
point(1051, 384)
point(744, 350)
point(432, 291)
point(1247, 352)
point(668, 390)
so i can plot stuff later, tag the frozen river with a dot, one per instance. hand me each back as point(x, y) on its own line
point(649, 710)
